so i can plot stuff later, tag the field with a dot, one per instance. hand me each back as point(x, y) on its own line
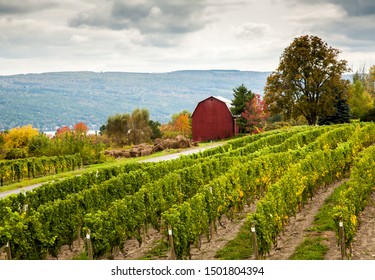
point(267, 189)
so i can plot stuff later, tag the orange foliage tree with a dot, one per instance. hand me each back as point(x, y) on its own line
point(179, 125)
point(182, 124)
point(255, 114)
point(81, 128)
point(62, 131)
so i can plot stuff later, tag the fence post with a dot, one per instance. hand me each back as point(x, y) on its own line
point(212, 225)
point(7, 249)
point(79, 228)
point(342, 240)
point(255, 243)
point(171, 243)
point(89, 245)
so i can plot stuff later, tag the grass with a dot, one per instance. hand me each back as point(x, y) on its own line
point(160, 250)
point(310, 249)
point(313, 247)
point(323, 220)
point(239, 248)
point(81, 256)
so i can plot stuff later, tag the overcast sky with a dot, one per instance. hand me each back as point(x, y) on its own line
point(166, 35)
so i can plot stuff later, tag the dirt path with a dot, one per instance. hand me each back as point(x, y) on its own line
point(364, 241)
point(295, 231)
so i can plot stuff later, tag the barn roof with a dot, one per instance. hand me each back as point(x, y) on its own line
point(226, 101)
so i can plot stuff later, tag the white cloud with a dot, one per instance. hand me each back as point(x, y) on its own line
point(251, 30)
point(79, 38)
point(164, 35)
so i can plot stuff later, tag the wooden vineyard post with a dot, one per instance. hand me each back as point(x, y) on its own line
point(342, 240)
point(255, 243)
point(7, 249)
point(89, 246)
point(212, 225)
point(79, 234)
point(171, 243)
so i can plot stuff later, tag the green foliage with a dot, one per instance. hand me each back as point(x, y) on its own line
point(355, 197)
point(299, 183)
point(155, 128)
point(241, 97)
point(281, 169)
point(341, 114)
point(360, 100)
point(16, 153)
point(38, 145)
point(15, 170)
point(307, 81)
point(126, 129)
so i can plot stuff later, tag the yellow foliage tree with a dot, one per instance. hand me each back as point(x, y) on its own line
point(19, 137)
point(182, 124)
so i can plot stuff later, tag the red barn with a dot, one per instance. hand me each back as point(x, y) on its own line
point(213, 120)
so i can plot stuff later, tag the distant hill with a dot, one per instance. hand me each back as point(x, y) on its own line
point(51, 100)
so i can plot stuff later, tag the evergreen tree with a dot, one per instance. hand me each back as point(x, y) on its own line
point(341, 114)
point(241, 97)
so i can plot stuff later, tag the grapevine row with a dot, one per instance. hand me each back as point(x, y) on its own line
point(356, 195)
point(15, 170)
point(284, 198)
point(151, 201)
point(229, 192)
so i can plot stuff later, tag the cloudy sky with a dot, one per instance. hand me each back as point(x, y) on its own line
point(166, 35)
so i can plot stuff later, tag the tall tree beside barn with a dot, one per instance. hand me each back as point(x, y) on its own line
point(241, 97)
point(255, 114)
point(307, 81)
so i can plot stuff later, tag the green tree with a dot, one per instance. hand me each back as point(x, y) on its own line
point(241, 97)
point(341, 114)
point(307, 81)
point(126, 129)
point(139, 130)
point(155, 128)
point(117, 128)
point(360, 100)
point(39, 145)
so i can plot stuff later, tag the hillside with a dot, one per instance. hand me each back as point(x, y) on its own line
point(64, 98)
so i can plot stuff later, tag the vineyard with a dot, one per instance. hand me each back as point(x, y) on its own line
point(185, 199)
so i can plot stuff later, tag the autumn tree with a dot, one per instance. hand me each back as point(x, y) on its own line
point(62, 131)
point(80, 128)
point(180, 124)
point(307, 80)
point(183, 124)
point(241, 96)
point(19, 137)
point(255, 114)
